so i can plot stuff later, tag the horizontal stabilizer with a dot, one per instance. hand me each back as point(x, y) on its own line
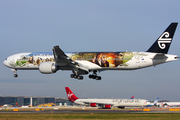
point(159, 56)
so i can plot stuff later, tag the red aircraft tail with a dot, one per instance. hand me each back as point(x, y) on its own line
point(17, 104)
point(71, 96)
point(132, 97)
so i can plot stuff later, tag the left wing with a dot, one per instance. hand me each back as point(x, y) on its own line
point(64, 62)
point(61, 58)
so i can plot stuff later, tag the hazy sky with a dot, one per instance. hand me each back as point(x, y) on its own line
point(89, 25)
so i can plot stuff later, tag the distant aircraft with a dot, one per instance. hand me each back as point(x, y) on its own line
point(169, 104)
point(154, 103)
point(163, 104)
point(132, 97)
point(82, 63)
point(106, 103)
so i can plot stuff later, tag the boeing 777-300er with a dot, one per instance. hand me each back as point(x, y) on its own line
point(81, 63)
point(106, 103)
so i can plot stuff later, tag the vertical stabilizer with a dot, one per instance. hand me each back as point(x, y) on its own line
point(155, 102)
point(71, 96)
point(132, 97)
point(162, 44)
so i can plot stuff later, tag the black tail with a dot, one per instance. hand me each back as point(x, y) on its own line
point(162, 44)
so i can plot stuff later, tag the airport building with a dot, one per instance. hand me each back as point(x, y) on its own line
point(31, 100)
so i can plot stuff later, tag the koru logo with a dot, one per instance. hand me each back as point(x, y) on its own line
point(69, 95)
point(164, 38)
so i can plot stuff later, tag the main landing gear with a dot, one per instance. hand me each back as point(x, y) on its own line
point(94, 76)
point(76, 76)
point(15, 73)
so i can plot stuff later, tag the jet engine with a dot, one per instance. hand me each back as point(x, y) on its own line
point(47, 67)
point(107, 106)
point(93, 104)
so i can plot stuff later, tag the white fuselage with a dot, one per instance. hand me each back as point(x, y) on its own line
point(169, 104)
point(129, 61)
point(115, 102)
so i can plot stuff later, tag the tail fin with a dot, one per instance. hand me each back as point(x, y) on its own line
point(132, 97)
point(155, 102)
point(71, 96)
point(162, 44)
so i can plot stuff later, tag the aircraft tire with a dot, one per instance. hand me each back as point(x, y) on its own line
point(72, 75)
point(75, 76)
point(90, 76)
point(79, 77)
point(15, 75)
point(94, 77)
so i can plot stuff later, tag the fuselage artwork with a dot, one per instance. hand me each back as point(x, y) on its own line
point(81, 63)
point(108, 59)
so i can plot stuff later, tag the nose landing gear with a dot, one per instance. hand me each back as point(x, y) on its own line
point(15, 73)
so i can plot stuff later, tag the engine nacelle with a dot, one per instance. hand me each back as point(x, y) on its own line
point(47, 67)
point(107, 106)
point(93, 104)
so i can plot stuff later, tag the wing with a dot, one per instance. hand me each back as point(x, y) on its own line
point(61, 58)
point(65, 62)
point(98, 103)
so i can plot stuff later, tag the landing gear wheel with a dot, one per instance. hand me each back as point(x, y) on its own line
point(15, 72)
point(15, 75)
point(95, 77)
point(72, 75)
point(75, 76)
point(80, 77)
point(99, 77)
point(90, 76)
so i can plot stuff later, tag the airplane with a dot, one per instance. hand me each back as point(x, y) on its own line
point(155, 103)
point(163, 104)
point(82, 63)
point(169, 104)
point(106, 103)
point(132, 97)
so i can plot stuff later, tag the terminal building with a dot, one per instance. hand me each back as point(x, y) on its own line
point(32, 100)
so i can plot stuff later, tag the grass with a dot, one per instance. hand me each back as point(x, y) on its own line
point(89, 116)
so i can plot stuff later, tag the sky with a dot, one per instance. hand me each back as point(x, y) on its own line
point(89, 26)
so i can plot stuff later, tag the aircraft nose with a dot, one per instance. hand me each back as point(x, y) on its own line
point(5, 63)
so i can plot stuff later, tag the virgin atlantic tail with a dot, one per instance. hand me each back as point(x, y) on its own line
point(162, 44)
point(71, 96)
